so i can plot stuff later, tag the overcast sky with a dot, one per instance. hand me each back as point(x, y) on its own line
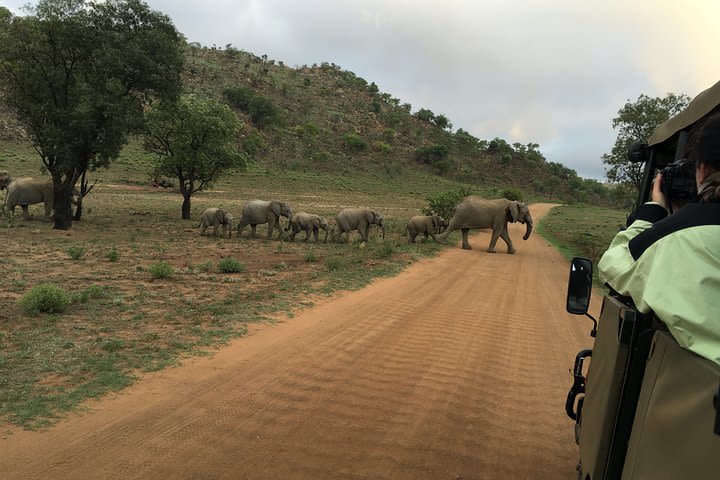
point(552, 72)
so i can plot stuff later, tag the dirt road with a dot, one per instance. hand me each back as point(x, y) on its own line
point(455, 369)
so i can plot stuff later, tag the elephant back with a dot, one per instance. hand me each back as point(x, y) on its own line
point(255, 211)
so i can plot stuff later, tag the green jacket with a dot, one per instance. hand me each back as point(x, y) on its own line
point(671, 266)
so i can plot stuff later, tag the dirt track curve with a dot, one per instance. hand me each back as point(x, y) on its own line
point(455, 369)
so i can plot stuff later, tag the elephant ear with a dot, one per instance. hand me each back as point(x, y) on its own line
point(435, 221)
point(221, 214)
point(370, 216)
point(512, 212)
point(276, 207)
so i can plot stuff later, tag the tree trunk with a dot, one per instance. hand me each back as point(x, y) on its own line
point(62, 204)
point(186, 206)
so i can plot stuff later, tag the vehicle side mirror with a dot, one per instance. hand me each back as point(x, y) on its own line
point(579, 286)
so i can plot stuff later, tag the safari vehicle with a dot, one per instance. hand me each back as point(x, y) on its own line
point(644, 408)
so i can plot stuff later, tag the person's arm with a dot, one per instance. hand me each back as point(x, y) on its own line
point(617, 267)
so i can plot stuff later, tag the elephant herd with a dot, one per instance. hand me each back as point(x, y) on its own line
point(259, 212)
point(471, 212)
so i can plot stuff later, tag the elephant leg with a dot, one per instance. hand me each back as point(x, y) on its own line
point(426, 235)
point(506, 237)
point(465, 243)
point(202, 231)
point(215, 229)
point(411, 237)
point(253, 226)
point(493, 240)
point(366, 235)
point(26, 213)
point(433, 237)
point(316, 231)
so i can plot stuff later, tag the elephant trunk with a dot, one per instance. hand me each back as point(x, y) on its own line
point(529, 228)
point(382, 227)
point(326, 235)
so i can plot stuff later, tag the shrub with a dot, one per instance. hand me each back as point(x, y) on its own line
point(230, 265)
point(513, 194)
point(382, 147)
point(333, 263)
point(75, 252)
point(355, 143)
point(45, 298)
point(443, 203)
point(310, 256)
point(385, 249)
point(160, 270)
point(431, 154)
point(112, 255)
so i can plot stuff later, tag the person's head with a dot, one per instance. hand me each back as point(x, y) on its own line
point(704, 148)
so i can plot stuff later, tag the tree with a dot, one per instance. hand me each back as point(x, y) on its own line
point(636, 121)
point(195, 143)
point(78, 75)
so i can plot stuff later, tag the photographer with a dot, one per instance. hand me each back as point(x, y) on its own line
point(671, 264)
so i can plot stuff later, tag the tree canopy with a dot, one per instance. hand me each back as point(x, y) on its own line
point(195, 140)
point(78, 76)
point(636, 121)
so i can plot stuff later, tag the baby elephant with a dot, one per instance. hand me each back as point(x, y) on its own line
point(307, 222)
point(425, 224)
point(215, 217)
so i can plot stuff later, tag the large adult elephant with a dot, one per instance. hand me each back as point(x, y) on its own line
point(29, 191)
point(308, 222)
point(358, 219)
point(477, 212)
point(258, 212)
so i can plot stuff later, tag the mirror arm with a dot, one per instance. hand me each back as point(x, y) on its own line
point(593, 332)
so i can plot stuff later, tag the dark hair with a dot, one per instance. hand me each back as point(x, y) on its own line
point(704, 142)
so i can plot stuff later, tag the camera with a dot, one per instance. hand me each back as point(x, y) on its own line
point(678, 182)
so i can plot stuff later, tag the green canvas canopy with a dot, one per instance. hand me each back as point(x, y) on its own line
point(664, 140)
point(704, 103)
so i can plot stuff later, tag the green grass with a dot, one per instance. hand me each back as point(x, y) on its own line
point(581, 230)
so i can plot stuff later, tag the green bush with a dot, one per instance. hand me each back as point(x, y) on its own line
point(160, 270)
point(443, 203)
point(385, 249)
point(230, 265)
point(45, 298)
point(112, 255)
point(310, 256)
point(431, 154)
point(76, 252)
point(355, 143)
point(333, 263)
point(513, 194)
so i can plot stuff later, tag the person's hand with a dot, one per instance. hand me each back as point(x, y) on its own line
point(657, 195)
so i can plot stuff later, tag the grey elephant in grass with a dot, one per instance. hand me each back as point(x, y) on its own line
point(308, 222)
point(29, 191)
point(425, 224)
point(359, 219)
point(477, 212)
point(258, 212)
point(216, 217)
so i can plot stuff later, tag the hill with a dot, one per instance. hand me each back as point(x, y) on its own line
point(323, 119)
